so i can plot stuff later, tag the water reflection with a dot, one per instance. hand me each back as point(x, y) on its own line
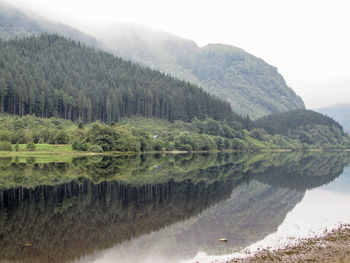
point(164, 207)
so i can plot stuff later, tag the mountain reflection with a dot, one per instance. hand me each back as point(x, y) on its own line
point(78, 208)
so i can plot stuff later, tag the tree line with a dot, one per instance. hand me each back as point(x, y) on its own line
point(283, 123)
point(50, 76)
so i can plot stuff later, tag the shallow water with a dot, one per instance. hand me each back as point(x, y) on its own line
point(321, 209)
point(167, 208)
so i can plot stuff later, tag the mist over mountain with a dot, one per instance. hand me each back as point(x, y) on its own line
point(250, 84)
point(340, 113)
point(15, 23)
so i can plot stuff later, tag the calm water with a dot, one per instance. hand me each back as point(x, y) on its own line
point(166, 208)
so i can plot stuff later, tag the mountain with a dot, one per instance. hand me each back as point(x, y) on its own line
point(248, 83)
point(52, 76)
point(340, 113)
point(14, 23)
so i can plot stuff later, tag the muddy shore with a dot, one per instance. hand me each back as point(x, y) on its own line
point(334, 246)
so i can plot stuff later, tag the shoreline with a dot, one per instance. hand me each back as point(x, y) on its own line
point(69, 152)
point(334, 246)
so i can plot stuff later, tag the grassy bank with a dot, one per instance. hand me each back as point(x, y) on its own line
point(51, 151)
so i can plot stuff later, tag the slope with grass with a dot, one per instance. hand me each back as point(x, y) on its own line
point(250, 84)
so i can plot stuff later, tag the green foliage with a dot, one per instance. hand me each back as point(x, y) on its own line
point(282, 123)
point(122, 145)
point(142, 134)
point(106, 142)
point(304, 128)
point(184, 147)
point(61, 138)
point(239, 145)
point(198, 142)
point(158, 145)
point(5, 135)
point(80, 145)
point(5, 146)
point(30, 146)
point(75, 82)
point(80, 125)
point(145, 144)
point(95, 148)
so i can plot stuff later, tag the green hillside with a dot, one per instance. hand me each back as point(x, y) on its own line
point(250, 85)
point(307, 126)
point(52, 76)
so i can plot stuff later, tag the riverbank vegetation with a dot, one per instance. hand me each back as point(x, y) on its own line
point(30, 134)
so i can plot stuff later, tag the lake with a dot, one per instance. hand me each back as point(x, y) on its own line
point(166, 207)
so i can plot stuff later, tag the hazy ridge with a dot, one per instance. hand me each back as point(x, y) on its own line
point(248, 83)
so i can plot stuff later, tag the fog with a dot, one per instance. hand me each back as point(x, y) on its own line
point(130, 32)
point(306, 40)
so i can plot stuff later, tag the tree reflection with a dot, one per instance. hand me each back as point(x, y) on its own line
point(105, 201)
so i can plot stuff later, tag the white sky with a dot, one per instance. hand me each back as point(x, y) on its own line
point(307, 40)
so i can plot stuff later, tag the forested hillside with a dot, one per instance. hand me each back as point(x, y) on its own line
point(250, 84)
point(306, 126)
point(52, 76)
point(282, 123)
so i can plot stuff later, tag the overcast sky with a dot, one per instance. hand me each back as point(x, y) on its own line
point(307, 40)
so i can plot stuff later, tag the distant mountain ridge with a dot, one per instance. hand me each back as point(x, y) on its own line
point(250, 84)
